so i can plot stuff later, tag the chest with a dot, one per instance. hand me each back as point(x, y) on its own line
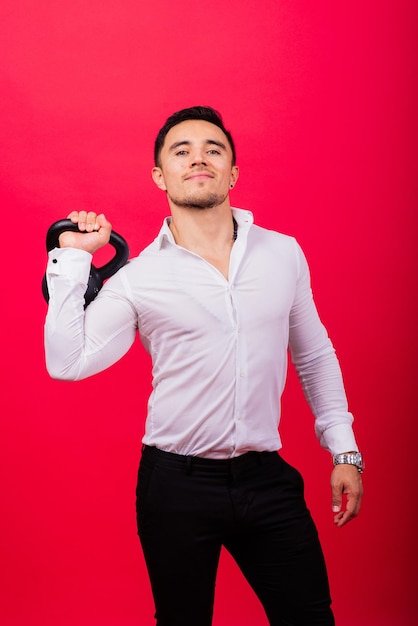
point(188, 296)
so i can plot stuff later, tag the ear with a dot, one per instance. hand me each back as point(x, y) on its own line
point(234, 176)
point(158, 178)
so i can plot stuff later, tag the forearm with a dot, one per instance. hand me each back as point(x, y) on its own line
point(81, 343)
point(323, 387)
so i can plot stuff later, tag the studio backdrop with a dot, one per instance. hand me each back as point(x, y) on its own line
point(321, 98)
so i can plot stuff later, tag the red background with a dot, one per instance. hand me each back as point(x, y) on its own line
point(321, 98)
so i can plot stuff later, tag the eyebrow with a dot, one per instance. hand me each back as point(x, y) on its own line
point(208, 142)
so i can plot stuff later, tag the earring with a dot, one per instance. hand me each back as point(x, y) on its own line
point(231, 185)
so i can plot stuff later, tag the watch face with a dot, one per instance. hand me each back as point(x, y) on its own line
point(359, 461)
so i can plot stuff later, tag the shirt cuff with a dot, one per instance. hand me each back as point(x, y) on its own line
point(338, 439)
point(70, 262)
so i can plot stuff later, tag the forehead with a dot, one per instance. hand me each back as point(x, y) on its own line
point(195, 131)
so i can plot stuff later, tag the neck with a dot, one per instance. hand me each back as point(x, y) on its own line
point(202, 229)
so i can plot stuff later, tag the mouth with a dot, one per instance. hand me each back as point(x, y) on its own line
point(199, 176)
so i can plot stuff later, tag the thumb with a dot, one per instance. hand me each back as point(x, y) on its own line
point(337, 498)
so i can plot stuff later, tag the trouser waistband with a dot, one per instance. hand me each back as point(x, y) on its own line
point(218, 467)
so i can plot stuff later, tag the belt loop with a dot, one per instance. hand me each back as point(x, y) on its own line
point(189, 464)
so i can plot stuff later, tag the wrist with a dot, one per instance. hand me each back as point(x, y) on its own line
point(349, 458)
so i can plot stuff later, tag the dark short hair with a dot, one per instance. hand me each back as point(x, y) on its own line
point(207, 114)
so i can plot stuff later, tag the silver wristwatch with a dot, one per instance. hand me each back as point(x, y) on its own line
point(350, 458)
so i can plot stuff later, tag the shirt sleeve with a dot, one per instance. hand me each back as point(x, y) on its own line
point(318, 368)
point(78, 342)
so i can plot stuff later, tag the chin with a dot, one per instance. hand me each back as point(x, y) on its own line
point(207, 201)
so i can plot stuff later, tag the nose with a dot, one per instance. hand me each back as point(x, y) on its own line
point(198, 158)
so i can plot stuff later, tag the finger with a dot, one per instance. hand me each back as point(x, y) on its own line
point(342, 518)
point(82, 217)
point(91, 221)
point(354, 502)
point(337, 498)
point(78, 217)
point(73, 216)
point(351, 511)
point(103, 225)
point(85, 220)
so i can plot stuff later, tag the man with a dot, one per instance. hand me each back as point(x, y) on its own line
point(217, 302)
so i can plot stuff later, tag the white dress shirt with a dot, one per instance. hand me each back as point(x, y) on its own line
point(218, 347)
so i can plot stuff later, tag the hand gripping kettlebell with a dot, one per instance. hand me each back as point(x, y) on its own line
point(97, 274)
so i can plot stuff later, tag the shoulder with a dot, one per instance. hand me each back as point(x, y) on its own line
point(154, 260)
point(273, 236)
point(275, 241)
point(258, 233)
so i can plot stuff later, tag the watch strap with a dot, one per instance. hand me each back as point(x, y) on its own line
point(350, 458)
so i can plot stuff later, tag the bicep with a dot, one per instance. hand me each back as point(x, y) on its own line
point(308, 337)
point(110, 327)
point(81, 343)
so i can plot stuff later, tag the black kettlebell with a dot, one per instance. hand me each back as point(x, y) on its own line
point(97, 274)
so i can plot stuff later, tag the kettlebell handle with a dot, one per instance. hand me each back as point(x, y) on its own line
point(97, 274)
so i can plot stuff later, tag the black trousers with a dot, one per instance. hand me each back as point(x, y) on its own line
point(253, 505)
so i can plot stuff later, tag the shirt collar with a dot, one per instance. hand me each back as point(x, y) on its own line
point(244, 219)
point(165, 233)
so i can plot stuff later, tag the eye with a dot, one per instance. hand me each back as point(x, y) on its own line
point(213, 151)
point(181, 152)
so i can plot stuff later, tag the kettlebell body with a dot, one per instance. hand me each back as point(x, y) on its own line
point(97, 274)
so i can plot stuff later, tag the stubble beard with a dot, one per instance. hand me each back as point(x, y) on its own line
point(197, 201)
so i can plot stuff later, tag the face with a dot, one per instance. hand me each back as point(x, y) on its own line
point(196, 167)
